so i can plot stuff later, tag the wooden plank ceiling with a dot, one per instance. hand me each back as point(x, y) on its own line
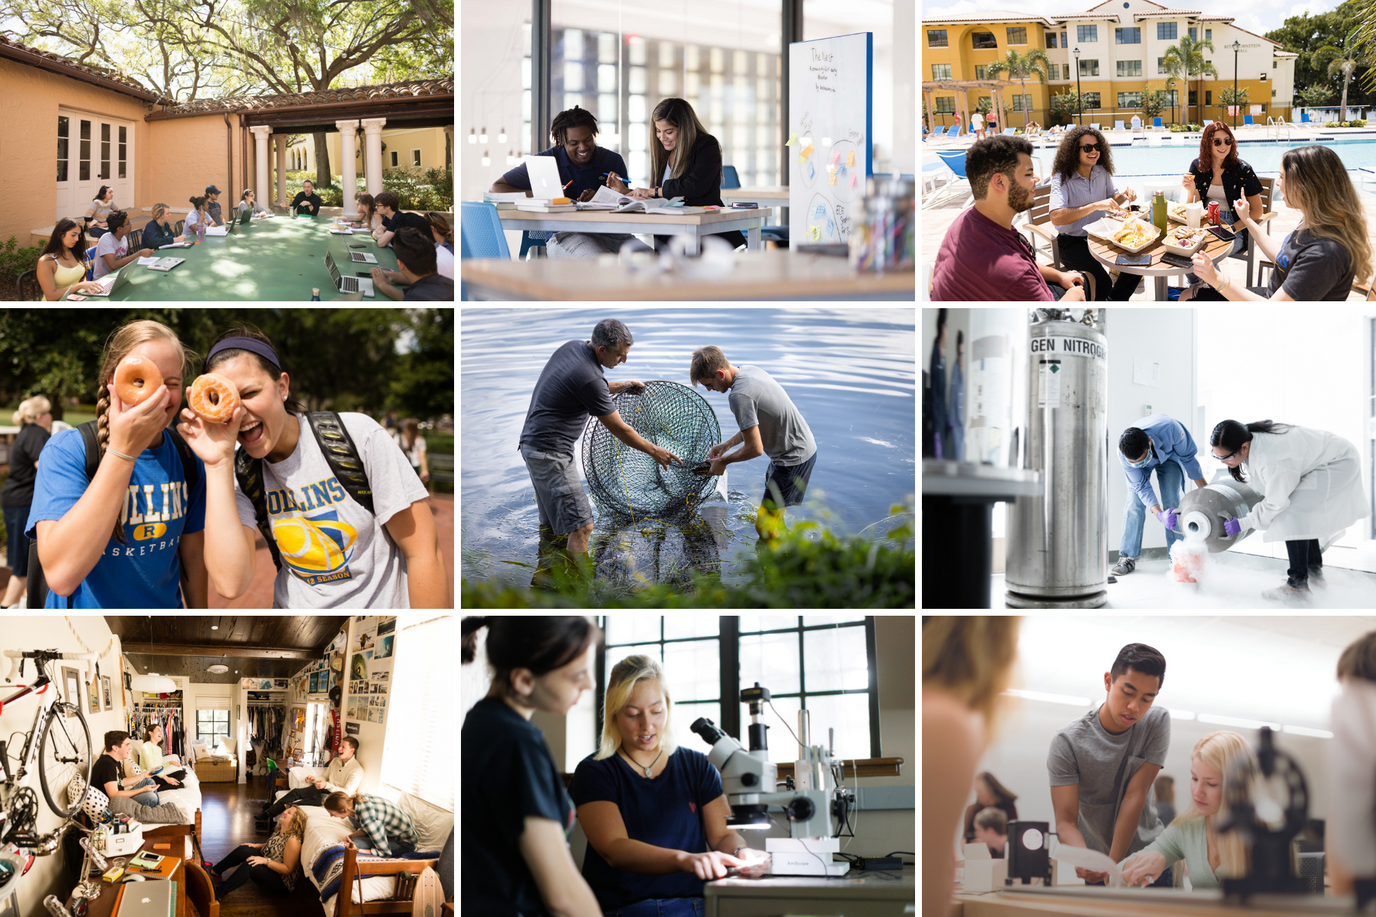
point(253, 646)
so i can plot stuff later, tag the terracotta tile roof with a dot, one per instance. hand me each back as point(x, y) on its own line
point(80, 71)
point(406, 90)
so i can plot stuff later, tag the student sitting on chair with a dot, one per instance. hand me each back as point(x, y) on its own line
point(159, 231)
point(417, 266)
point(63, 262)
point(393, 220)
point(443, 235)
point(199, 215)
point(212, 206)
point(249, 201)
point(583, 168)
point(687, 161)
point(98, 213)
point(306, 200)
point(112, 249)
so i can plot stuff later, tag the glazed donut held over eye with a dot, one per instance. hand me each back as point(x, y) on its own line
point(136, 379)
point(214, 398)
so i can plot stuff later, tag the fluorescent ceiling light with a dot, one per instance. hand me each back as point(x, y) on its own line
point(1306, 731)
point(1237, 721)
point(1068, 699)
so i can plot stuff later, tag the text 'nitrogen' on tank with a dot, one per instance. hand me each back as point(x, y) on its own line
point(1075, 347)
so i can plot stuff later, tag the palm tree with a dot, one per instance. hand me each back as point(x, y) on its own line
point(1020, 67)
point(1190, 53)
point(1343, 60)
point(1173, 69)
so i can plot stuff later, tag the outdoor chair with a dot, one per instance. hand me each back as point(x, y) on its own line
point(1267, 214)
point(91, 260)
point(1118, 126)
point(955, 161)
point(177, 228)
point(1156, 123)
point(729, 177)
point(953, 131)
point(1094, 124)
point(27, 288)
point(1136, 123)
point(1304, 117)
point(932, 171)
point(135, 239)
point(1247, 121)
point(1039, 226)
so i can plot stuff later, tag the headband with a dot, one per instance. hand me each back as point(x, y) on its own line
point(249, 344)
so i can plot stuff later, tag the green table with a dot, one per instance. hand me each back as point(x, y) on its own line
point(277, 259)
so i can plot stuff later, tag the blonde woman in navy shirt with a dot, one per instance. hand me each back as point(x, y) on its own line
point(654, 814)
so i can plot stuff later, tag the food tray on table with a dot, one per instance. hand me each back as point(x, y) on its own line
point(1185, 241)
point(1175, 213)
point(1103, 229)
point(1143, 235)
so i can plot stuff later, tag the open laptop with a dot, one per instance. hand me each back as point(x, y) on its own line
point(245, 216)
point(151, 898)
point(112, 282)
point(544, 177)
point(343, 284)
point(364, 257)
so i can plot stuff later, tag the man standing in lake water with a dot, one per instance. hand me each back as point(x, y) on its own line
point(770, 424)
point(573, 385)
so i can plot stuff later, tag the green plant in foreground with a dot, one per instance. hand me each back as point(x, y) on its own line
point(796, 570)
point(15, 261)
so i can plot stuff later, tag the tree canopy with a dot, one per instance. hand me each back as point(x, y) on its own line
point(1309, 36)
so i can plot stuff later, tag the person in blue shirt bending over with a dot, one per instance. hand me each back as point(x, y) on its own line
point(583, 167)
point(1160, 443)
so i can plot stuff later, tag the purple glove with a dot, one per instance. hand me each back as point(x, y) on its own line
point(1232, 527)
point(1167, 518)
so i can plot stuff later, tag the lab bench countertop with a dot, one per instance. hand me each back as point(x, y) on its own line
point(881, 893)
point(1080, 902)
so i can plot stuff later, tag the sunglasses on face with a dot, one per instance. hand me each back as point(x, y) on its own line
point(1224, 141)
point(1089, 147)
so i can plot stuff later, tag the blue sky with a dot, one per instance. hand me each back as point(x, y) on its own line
point(1260, 16)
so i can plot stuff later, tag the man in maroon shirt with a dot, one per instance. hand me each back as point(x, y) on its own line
point(982, 256)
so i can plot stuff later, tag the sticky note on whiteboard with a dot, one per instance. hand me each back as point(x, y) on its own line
point(792, 139)
point(850, 160)
point(814, 233)
point(831, 179)
point(811, 171)
point(854, 179)
point(835, 156)
point(819, 211)
point(806, 152)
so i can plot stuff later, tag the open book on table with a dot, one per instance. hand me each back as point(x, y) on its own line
point(607, 199)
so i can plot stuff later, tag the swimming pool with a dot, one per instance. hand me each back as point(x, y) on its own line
point(1263, 155)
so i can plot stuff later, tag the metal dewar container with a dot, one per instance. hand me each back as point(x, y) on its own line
point(1058, 541)
point(1203, 512)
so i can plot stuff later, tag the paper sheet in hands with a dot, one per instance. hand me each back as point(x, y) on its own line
point(1092, 860)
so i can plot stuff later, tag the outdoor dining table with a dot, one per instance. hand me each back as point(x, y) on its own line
point(280, 258)
point(1106, 253)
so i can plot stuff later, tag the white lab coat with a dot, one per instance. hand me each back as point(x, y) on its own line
point(1311, 485)
point(1352, 813)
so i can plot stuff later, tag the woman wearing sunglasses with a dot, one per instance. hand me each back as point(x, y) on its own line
point(1082, 187)
point(1219, 176)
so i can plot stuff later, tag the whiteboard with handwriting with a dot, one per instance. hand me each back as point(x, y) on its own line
point(831, 114)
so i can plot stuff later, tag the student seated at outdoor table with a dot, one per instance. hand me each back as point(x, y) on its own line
point(416, 265)
point(62, 263)
point(982, 256)
point(443, 235)
point(394, 221)
point(687, 161)
point(197, 217)
point(112, 249)
point(1225, 179)
point(306, 200)
point(368, 217)
point(212, 205)
point(249, 201)
point(159, 231)
point(583, 167)
point(1320, 259)
point(99, 212)
point(1082, 189)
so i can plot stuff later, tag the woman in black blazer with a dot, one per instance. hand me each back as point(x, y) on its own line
point(685, 161)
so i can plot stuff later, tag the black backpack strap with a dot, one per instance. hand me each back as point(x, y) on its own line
point(249, 472)
point(38, 584)
point(342, 456)
point(88, 433)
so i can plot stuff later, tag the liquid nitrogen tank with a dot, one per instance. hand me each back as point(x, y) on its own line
point(1204, 511)
point(1058, 540)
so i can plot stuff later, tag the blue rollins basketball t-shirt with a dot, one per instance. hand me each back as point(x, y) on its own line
point(665, 812)
point(145, 571)
point(336, 554)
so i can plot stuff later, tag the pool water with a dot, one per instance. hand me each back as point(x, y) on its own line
point(849, 371)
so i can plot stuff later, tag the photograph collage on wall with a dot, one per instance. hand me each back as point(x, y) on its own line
point(374, 640)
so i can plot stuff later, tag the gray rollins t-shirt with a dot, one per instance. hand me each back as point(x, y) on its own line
point(1311, 268)
point(336, 554)
point(756, 399)
point(1102, 763)
point(571, 386)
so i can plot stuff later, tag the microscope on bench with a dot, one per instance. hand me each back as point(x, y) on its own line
point(809, 800)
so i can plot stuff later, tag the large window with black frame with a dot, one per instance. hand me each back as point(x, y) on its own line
point(820, 663)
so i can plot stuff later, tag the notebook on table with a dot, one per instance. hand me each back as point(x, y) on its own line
point(165, 264)
point(343, 284)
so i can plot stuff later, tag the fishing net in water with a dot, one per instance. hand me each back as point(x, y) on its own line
point(630, 484)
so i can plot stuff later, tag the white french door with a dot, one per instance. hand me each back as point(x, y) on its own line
point(92, 151)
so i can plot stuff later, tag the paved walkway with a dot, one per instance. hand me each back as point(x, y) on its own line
point(937, 218)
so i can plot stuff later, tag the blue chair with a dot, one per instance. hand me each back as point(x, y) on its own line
point(955, 161)
point(532, 239)
point(729, 178)
point(91, 260)
point(1094, 125)
point(1118, 126)
point(1304, 117)
point(1246, 120)
point(1009, 131)
point(1156, 122)
point(953, 131)
point(482, 231)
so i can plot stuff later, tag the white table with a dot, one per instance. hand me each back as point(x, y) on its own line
point(605, 221)
point(767, 196)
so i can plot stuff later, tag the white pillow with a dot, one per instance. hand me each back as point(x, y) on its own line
point(227, 745)
point(95, 804)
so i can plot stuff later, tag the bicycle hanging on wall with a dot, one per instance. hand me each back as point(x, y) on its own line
point(58, 746)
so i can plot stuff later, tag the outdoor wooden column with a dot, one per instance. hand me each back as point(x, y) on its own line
point(260, 154)
point(372, 155)
point(346, 153)
point(281, 198)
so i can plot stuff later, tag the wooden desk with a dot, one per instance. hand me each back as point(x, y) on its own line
point(605, 221)
point(1144, 902)
point(772, 274)
point(104, 905)
point(883, 893)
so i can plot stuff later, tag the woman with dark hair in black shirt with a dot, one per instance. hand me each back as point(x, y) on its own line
point(516, 813)
point(685, 161)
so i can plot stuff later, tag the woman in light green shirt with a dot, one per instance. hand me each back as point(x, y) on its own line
point(150, 753)
point(1193, 836)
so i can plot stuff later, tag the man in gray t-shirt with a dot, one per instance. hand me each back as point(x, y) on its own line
point(1103, 764)
point(770, 424)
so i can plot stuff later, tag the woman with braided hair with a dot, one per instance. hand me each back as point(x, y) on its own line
point(127, 536)
point(583, 168)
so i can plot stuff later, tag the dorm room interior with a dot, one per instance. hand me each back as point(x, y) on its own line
point(250, 707)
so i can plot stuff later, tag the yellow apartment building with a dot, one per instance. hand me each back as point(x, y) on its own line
point(1121, 46)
